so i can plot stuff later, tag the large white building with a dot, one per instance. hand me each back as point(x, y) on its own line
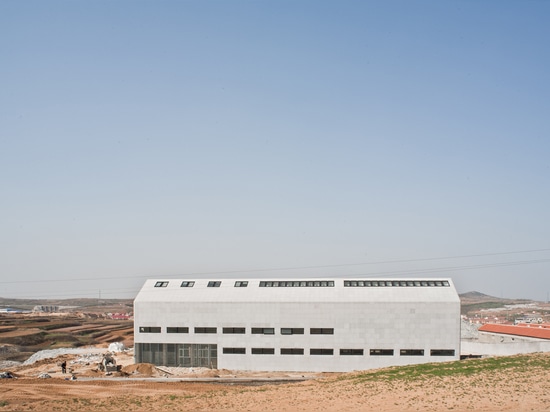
point(331, 325)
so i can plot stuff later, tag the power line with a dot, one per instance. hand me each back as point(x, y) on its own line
point(371, 263)
point(91, 294)
point(452, 268)
point(307, 267)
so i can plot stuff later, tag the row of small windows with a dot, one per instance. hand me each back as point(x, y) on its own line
point(321, 283)
point(297, 284)
point(239, 330)
point(394, 283)
point(266, 284)
point(343, 352)
point(211, 284)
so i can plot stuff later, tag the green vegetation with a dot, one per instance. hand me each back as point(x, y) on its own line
point(59, 325)
point(472, 307)
point(99, 333)
point(456, 368)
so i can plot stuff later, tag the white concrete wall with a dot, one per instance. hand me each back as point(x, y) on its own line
point(502, 349)
point(357, 325)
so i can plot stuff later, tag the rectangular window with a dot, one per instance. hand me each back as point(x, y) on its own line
point(241, 284)
point(187, 284)
point(292, 331)
point(263, 351)
point(381, 352)
point(233, 330)
point(321, 351)
point(206, 330)
point(292, 351)
point(411, 352)
point(395, 283)
point(321, 331)
point(351, 352)
point(161, 284)
point(442, 352)
point(296, 283)
point(263, 331)
point(214, 284)
point(236, 351)
point(149, 329)
point(177, 329)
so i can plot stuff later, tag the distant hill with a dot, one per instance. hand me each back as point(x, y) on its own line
point(475, 295)
point(80, 304)
point(473, 301)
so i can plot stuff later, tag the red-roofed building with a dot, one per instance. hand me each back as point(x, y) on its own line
point(541, 331)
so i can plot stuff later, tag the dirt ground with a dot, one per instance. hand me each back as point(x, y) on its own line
point(142, 387)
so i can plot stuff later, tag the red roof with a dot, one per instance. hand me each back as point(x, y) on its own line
point(531, 331)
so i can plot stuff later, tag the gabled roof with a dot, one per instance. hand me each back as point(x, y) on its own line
point(531, 331)
point(299, 290)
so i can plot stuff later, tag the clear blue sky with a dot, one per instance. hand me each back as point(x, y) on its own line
point(194, 138)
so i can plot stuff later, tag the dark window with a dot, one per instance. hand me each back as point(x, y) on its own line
point(292, 331)
point(178, 329)
point(296, 283)
point(263, 331)
point(241, 284)
point(214, 284)
point(345, 352)
point(442, 352)
point(321, 331)
point(263, 351)
point(240, 351)
point(161, 284)
point(321, 351)
point(149, 329)
point(381, 352)
point(187, 284)
point(233, 330)
point(411, 352)
point(205, 330)
point(292, 351)
point(395, 283)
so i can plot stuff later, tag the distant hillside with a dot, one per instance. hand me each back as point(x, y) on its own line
point(475, 295)
point(473, 301)
point(90, 305)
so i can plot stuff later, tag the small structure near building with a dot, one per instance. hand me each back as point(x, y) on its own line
point(45, 309)
point(504, 340)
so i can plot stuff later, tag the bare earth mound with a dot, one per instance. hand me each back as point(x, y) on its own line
point(141, 369)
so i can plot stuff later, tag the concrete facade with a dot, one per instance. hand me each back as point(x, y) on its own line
point(330, 325)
